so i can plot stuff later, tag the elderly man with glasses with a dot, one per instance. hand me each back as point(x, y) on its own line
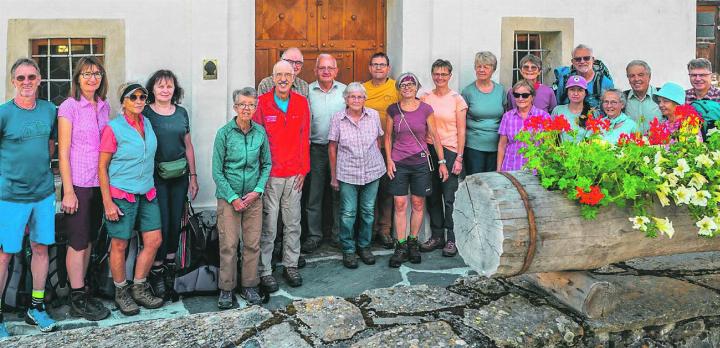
point(294, 56)
point(700, 73)
point(592, 70)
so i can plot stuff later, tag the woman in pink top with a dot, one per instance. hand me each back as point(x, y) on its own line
point(81, 118)
point(450, 110)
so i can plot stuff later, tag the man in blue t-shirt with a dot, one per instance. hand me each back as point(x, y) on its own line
point(27, 193)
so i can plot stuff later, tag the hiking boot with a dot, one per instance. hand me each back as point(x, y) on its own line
point(400, 255)
point(301, 261)
point(309, 246)
point(450, 249)
point(349, 260)
point(82, 306)
point(142, 294)
point(432, 244)
point(124, 302)
point(269, 283)
point(40, 317)
point(225, 301)
point(3, 331)
point(292, 276)
point(413, 250)
point(366, 256)
point(385, 240)
point(251, 295)
point(156, 279)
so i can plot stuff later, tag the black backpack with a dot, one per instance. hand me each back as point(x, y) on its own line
point(198, 256)
point(99, 276)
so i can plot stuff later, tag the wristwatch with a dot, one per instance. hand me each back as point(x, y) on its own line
point(442, 161)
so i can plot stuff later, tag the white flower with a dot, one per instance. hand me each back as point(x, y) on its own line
point(639, 222)
point(704, 160)
point(646, 159)
point(683, 195)
point(700, 198)
point(715, 155)
point(664, 201)
point(672, 179)
point(664, 226)
point(698, 181)
point(712, 131)
point(659, 158)
point(707, 226)
point(659, 171)
point(682, 168)
point(664, 188)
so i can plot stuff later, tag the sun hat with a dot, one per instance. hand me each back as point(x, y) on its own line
point(576, 81)
point(671, 91)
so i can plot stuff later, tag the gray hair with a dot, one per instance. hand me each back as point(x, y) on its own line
point(641, 63)
point(23, 61)
point(532, 59)
point(699, 63)
point(282, 62)
point(618, 92)
point(325, 55)
point(486, 58)
point(245, 92)
point(582, 47)
point(353, 87)
point(290, 49)
point(524, 83)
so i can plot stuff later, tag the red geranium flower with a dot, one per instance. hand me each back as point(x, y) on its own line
point(658, 133)
point(633, 138)
point(590, 198)
point(596, 124)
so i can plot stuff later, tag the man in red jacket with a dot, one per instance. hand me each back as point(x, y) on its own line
point(286, 118)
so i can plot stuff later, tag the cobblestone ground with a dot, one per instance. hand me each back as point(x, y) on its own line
point(663, 302)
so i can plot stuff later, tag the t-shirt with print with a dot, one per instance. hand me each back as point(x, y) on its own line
point(25, 174)
point(485, 110)
point(408, 149)
point(445, 109)
point(170, 131)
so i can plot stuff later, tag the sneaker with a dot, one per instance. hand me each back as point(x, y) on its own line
point(366, 256)
point(450, 249)
point(156, 279)
point(413, 250)
point(385, 240)
point(292, 276)
point(349, 260)
point(309, 246)
point(40, 317)
point(432, 244)
point(269, 283)
point(142, 294)
point(81, 306)
point(301, 261)
point(124, 302)
point(225, 301)
point(3, 331)
point(400, 255)
point(251, 295)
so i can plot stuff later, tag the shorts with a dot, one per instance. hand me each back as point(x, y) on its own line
point(81, 228)
point(39, 217)
point(417, 177)
point(142, 215)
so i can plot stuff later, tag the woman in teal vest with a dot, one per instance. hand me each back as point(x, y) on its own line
point(126, 166)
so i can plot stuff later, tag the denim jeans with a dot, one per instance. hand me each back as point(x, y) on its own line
point(352, 196)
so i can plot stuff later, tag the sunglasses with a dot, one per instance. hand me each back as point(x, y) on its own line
point(21, 78)
point(522, 95)
point(582, 59)
point(134, 97)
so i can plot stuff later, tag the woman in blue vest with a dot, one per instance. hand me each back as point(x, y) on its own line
point(126, 166)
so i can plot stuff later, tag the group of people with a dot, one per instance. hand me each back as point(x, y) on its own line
point(369, 143)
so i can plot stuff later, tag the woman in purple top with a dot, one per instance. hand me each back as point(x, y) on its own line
point(530, 70)
point(408, 164)
point(81, 118)
point(509, 159)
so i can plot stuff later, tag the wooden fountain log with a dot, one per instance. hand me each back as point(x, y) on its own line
point(585, 294)
point(497, 235)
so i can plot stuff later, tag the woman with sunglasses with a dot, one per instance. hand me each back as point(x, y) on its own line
point(509, 158)
point(409, 165)
point(531, 70)
point(575, 112)
point(126, 166)
point(175, 174)
point(81, 117)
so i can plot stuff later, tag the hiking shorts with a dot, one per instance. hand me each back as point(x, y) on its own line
point(81, 228)
point(38, 217)
point(141, 215)
point(416, 177)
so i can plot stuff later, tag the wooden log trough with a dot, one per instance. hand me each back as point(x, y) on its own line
point(507, 224)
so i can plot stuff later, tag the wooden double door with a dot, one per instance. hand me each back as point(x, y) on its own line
point(351, 30)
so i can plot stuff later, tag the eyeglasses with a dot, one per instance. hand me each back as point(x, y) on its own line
point(356, 97)
point(134, 97)
point(294, 62)
point(284, 75)
point(326, 68)
point(407, 85)
point(441, 74)
point(21, 78)
point(87, 75)
point(694, 76)
point(582, 59)
point(521, 95)
point(530, 68)
point(379, 65)
point(611, 102)
point(246, 106)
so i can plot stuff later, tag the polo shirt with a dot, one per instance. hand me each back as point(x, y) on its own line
point(642, 111)
point(323, 105)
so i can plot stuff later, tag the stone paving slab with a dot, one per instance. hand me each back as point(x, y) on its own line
point(432, 334)
point(513, 321)
point(413, 299)
point(277, 336)
point(330, 318)
point(679, 262)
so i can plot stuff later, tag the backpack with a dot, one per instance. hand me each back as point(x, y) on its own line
point(563, 73)
point(100, 278)
point(198, 256)
point(710, 112)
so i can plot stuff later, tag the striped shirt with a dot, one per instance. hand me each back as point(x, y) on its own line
point(359, 160)
point(510, 126)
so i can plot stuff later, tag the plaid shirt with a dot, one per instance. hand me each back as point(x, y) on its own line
point(299, 86)
point(712, 94)
point(510, 126)
point(359, 160)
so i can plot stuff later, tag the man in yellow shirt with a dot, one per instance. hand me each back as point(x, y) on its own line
point(381, 93)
